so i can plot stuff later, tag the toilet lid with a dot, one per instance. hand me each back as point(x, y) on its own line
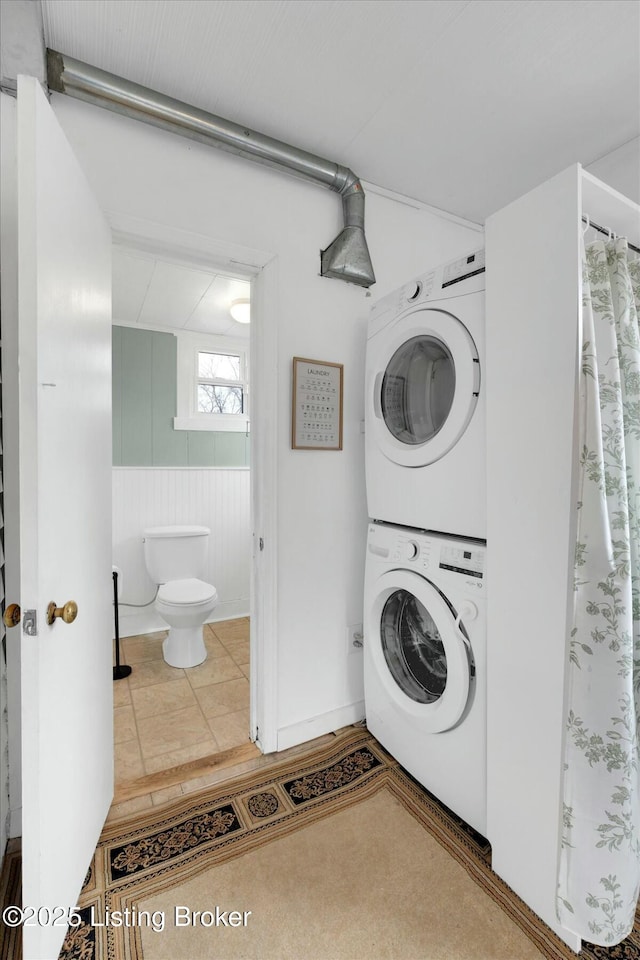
point(187, 591)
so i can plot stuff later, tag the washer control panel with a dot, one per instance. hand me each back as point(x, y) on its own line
point(462, 559)
point(424, 551)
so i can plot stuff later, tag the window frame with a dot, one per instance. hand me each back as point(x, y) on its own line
point(188, 416)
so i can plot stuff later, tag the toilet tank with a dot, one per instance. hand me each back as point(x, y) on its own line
point(175, 553)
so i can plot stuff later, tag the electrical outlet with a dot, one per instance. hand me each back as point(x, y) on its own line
point(355, 638)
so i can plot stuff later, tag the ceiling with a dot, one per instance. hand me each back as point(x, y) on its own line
point(153, 292)
point(461, 105)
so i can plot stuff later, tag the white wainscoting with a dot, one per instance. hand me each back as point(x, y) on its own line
point(218, 498)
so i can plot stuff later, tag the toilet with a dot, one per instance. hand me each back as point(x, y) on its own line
point(175, 556)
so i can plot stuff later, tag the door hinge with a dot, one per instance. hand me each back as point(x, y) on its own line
point(30, 623)
point(261, 543)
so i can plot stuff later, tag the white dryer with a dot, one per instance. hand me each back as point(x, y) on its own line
point(425, 402)
point(425, 661)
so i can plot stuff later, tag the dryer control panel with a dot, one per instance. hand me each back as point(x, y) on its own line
point(456, 278)
point(459, 270)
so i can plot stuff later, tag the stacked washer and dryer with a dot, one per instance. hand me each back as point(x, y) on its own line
point(425, 603)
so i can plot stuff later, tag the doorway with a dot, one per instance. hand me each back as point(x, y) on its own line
point(182, 402)
point(261, 270)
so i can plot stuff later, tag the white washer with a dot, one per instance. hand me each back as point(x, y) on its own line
point(425, 661)
point(425, 402)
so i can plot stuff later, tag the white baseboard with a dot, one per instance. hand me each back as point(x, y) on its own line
point(136, 622)
point(306, 730)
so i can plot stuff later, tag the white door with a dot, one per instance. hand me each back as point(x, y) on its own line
point(64, 306)
point(418, 649)
point(424, 387)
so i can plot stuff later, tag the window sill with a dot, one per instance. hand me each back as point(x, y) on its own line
point(226, 424)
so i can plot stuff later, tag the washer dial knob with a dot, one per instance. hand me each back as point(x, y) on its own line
point(411, 550)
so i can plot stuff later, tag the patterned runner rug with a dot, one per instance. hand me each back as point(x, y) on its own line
point(332, 855)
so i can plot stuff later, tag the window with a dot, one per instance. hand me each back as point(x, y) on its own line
point(218, 386)
point(213, 385)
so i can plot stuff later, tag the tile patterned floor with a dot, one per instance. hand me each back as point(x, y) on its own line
point(164, 716)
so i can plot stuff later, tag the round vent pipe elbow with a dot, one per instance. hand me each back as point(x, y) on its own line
point(347, 258)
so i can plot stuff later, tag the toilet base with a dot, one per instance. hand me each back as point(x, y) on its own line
point(184, 647)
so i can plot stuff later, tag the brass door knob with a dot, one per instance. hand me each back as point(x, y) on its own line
point(68, 613)
point(12, 615)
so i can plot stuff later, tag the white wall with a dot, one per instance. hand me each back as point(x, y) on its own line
point(530, 530)
point(532, 459)
point(620, 169)
point(139, 171)
point(218, 498)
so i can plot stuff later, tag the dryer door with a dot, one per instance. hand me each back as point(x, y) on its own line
point(425, 388)
point(418, 650)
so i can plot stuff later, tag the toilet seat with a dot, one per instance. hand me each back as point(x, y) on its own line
point(187, 592)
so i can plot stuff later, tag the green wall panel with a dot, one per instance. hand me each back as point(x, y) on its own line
point(137, 447)
point(169, 445)
point(231, 449)
point(116, 341)
point(201, 448)
point(144, 405)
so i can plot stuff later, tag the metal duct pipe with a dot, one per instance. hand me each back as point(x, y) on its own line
point(347, 258)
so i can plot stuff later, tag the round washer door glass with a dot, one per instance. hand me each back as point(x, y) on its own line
point(413, 647)
point(418, 388)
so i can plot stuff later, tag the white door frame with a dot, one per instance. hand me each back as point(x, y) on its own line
point(262, 269)
point(9, 261)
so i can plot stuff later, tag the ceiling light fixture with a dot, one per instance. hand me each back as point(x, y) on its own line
point(240, 310)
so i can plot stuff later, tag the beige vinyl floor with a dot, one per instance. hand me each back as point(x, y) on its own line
point(165, 716)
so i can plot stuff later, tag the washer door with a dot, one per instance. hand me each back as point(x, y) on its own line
point(418, 650)
point(426, 387)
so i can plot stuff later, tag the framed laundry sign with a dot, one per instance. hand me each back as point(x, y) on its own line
point(316, 421)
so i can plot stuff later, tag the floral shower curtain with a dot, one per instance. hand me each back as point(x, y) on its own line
point(599, 870)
